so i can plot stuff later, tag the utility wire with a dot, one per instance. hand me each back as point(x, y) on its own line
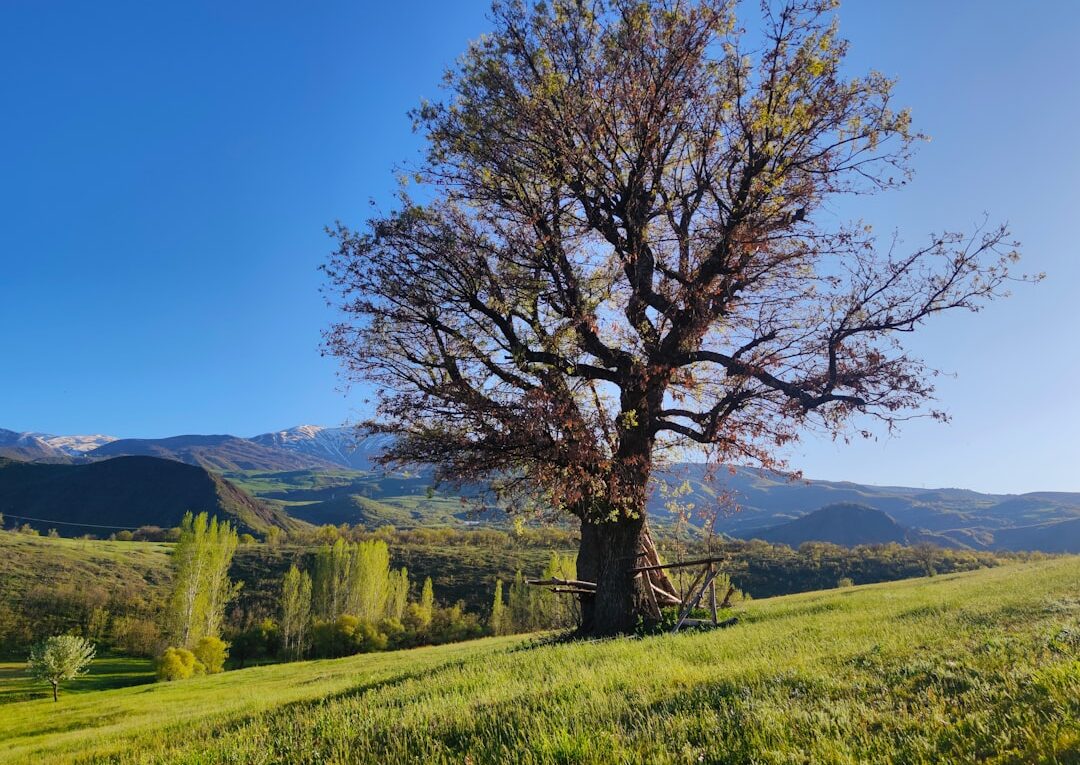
point(69, 523)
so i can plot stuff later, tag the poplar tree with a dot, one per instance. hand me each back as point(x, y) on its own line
point(331, 579)
point(201, 585)
point(521, 604)
point(497, 622)
point(222, 540)
point(397, 594)
point(295, 610)
point(369, 580)
point(427, 601)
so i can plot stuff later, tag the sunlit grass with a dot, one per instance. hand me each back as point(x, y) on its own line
point(976, 667)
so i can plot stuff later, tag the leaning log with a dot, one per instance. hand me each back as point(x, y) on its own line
point(683, 564)
point(664, 596)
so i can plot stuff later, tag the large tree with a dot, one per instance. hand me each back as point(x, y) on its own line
point(624, 246)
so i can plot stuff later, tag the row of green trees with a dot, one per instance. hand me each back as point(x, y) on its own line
point(527, 608)
point(353, 601)
point(201, 592)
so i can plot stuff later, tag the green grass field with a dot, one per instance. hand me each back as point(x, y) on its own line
point(104, 674)
point(975, 667)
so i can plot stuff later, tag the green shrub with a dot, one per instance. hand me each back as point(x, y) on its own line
point(453, 624)
point(178, 664)
point(845, 582)
point(330, 639)
point(260, 640)
point(212, 652)
point(346, 636)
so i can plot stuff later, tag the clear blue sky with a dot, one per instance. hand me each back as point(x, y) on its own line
point(166, 170)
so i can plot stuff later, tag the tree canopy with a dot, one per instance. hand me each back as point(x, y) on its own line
point(623, 248)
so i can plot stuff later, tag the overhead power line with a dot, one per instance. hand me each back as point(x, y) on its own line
point(70, 523)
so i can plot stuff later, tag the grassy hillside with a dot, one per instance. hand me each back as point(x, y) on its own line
point(43, 561)
point(464, 565)
point(125, 492)
point(982, 666)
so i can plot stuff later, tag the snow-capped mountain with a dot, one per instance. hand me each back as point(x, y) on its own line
point(298, 448)
point(27, 446)
point(47, 447)
point(341, 446)
point(75, 446)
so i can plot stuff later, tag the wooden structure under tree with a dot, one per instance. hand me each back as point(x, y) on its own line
point(663, 591)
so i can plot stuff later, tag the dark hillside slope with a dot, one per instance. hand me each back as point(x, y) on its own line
point(125, 492)
point(846, 524)
point(212, 452)
point(1062, 537)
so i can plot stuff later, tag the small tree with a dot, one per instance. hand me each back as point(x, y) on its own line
point(497, 623)
point(62, 657)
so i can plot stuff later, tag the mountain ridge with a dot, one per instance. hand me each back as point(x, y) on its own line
point(758, 500)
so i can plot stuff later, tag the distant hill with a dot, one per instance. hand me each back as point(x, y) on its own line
point(758, 500)
point(124, 492)
point(846, 524)
point(1063, 537)
point(218, 453)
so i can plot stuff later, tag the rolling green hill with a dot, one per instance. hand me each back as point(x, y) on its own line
point(982, 666)
point(125, 492)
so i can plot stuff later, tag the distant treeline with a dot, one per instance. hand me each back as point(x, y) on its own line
point(764, 570)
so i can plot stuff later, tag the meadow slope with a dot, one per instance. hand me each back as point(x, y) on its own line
point(974, 667)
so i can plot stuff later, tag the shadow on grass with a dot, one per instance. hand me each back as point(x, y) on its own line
point(105, 674)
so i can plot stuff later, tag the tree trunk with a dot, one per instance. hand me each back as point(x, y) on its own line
point(607, 555)
point(54, 698)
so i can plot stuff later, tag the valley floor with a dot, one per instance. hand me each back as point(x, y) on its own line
point(975, 667)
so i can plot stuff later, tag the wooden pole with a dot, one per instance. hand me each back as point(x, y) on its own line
point(691, 603)
point(712, 592)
